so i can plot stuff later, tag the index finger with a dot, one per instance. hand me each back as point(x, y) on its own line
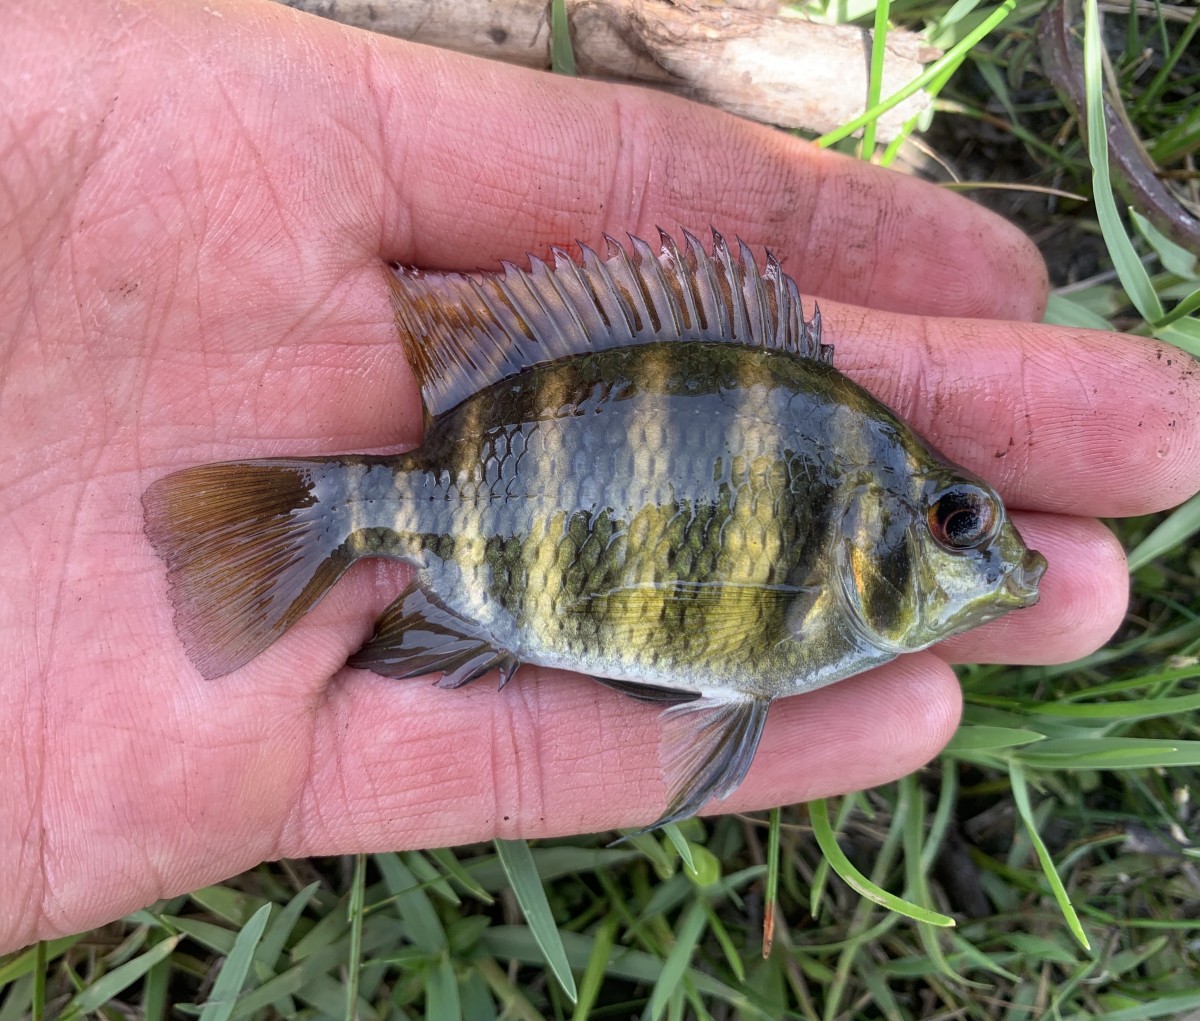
point(492, 162)
point(1063, 420)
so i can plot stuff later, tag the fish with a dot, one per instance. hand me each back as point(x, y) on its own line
point(641, 466)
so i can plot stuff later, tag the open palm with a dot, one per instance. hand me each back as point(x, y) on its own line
point(196, 206)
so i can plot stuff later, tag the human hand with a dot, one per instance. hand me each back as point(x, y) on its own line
point(196, 204)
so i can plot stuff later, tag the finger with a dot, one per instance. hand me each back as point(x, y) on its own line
point(1073, 421)
point(1084, 595)
point(511, 161)
point(405, 764)
point(471, 161)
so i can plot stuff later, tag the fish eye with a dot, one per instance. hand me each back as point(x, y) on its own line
point(962, 518)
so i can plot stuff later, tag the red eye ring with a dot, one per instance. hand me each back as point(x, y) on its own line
point(963, 518)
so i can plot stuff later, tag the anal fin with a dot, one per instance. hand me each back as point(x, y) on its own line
point(418, 635)
point(707, 747)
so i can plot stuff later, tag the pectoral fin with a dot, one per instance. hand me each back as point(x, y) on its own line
point(419, 635)
point(654, 693)
point(707, 749)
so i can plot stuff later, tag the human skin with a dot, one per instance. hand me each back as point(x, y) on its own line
point(197, 202)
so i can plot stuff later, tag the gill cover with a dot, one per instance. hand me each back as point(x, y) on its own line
point(875, 569)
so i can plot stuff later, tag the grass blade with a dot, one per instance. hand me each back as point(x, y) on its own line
point(281, 927)
point(26, 962)
point(431, 879)
point(413, 904)
point(725, 941)
point(593, 975)
point(1062, 311)
point(446, 859)
point(156, 992)
point(771, 897)
point(875, 83)
point(682, 847)
point(118, 980)
point(911, 810)
point(691, 926)
point(952, 58)
point(1110, 753)
point(1184, 334)
point(562, 55)
point(232, 976)
point(1178, 528)
point(526, 884)
point(819, 814)
point(38, 1006)
point(441, 992)
point(1132, 273)
point(1175, 258)
point(516, 942)
point(1021, 799)
point(354, 912)
point(980, 738)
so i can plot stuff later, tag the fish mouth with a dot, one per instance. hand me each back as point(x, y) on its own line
point(1021, 583)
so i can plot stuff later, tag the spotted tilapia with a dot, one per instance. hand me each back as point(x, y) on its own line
point(643, 467)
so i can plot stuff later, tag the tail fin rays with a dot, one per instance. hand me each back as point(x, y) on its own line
point(249, 550)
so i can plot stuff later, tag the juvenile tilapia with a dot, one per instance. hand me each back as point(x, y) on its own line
point(644, 468)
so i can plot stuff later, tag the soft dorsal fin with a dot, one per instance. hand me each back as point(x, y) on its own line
point(462, 333)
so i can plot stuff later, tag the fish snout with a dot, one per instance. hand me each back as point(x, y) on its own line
point(1021, 583)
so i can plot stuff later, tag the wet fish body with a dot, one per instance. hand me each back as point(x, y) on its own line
point(644, 468)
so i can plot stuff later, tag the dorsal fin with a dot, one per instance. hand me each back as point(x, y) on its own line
point(462, 333)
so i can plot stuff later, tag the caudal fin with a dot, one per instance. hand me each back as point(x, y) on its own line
point(249, 550)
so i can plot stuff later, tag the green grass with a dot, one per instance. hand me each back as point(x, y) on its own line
point(1054, 828)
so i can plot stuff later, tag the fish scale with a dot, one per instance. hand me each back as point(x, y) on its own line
point(642, 467)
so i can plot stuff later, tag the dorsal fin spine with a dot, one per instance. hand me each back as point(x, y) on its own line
point(758, 308)
point(715, 318)
point(517, 288)
point(739, 320)
point(786, 315)
point(620, 324)
point(649, 310)
point(565, 273)
point(499, 304)
point(670, 256)
point(465, 332)
point(592, 264)
point(632, 287)
point(666, 306)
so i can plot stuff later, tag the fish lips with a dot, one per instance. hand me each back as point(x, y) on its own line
point(1020, 585)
